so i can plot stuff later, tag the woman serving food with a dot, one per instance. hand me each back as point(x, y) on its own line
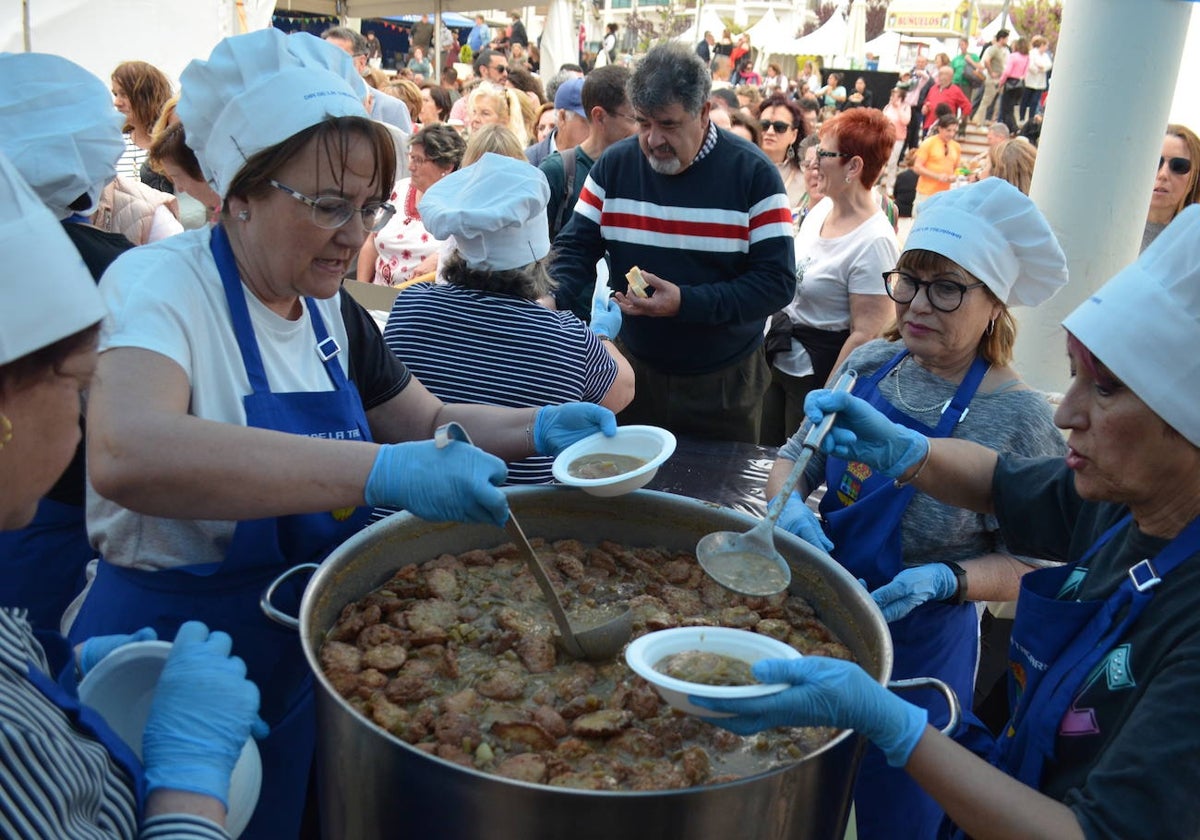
point(1104, 734)
point(240, 395)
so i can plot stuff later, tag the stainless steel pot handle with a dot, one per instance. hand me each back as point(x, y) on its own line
point(945, 690)
point(270, 610)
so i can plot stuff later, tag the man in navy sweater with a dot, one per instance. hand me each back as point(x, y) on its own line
point(704, 216)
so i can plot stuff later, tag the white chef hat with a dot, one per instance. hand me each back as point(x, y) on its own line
point(259, 89)
point(47, 292)
point(996, 232)
point(1144, 324)
point(495, 209)
point(59, 128)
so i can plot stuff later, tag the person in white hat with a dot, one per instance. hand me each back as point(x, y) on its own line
point(1105, 734)
point(481, 336)
point(63, 772)
point(247, 415)
point(942, 368)
point(59, 129)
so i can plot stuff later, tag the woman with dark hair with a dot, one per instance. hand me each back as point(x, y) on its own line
point(1012, 83)
point(840, 254)
point(782, 124)
point(140, 91)
point(1176, 182)
point(745, 74)
point(247, 415)
point(860, 97)
point(403, 249)
point(744, 127)
point(1105, 655)
point(435, 104)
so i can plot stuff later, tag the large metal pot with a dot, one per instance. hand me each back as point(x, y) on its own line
point(373, 785)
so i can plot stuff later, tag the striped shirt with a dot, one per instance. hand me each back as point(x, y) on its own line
point(467, 346)
point(721, 230)
point(56, 781)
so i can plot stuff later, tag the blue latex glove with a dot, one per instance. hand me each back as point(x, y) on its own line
point(606, 317)
point(860, 433)
point(558, 426)
point(98, 647)
point(798, 518)
point(913, 587)
point(826, 692)
point(203, 711)
point(454, 483)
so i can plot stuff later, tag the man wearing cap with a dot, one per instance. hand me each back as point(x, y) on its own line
point(572, 126)
point(57, 126)
point(609, 119)
point(707, 223)
point(1104, 732)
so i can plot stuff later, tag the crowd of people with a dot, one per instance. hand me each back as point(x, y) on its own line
point(507, 214)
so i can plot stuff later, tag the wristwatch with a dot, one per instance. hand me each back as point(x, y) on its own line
point(960, 575)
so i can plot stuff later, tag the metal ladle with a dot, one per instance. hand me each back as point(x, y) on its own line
point(598, 642)
point(748, 563)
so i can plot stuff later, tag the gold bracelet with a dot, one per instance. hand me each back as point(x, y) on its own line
point(924, 460)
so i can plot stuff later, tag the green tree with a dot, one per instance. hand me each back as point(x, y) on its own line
point(1038, 17)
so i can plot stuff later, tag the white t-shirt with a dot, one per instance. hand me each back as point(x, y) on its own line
point(828, 271)
point(168, 298)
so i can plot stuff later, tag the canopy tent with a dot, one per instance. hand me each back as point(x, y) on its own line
point(560, 38)
point(767, 35)
point(710, 21)
point(855, 49)
point(894, 49)
point(988, 33)
point(932, 18)
point(452, 19)
point(96, 33)
point(827, 40)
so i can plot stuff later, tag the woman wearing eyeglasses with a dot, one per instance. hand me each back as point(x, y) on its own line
point(842, 247)
point(1177, 183)
point(403, 249)
point(239, 394)
point(942, 368)
point(782, 124)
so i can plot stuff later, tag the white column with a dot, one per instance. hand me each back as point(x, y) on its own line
point(1096, 159)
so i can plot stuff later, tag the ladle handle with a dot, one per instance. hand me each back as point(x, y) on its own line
point(812, 442)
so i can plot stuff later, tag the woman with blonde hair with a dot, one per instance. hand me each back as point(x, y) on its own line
point(496, 139)
point(1012, 161)
point(408, 92)
point(1176, 182)
point(492, 105)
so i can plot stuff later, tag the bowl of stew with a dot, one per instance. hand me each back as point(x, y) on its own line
point(705, 662)
point(614, 466)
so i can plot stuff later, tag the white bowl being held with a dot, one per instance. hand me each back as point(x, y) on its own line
point(647, 651)
point(648, 443)
point(121, 688)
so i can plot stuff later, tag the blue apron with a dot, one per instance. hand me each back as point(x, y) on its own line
point(1068, 639)
point(62, 694)
point(45, 563)
point(225, 595)
point(862, 512)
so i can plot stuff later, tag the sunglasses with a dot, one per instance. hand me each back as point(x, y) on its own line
point(1177, 165)
point(779, 125)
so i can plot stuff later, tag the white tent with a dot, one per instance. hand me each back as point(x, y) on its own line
point(888, 46)
point(856, 34)
point(560, 37)
point(710, 21)
point(988, 33)
point(828, 40)
point(100, 34)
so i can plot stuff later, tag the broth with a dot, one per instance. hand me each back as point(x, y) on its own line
point(706, 668)
point(603, 465)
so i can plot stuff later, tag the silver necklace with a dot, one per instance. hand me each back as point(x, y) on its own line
point(939, 406)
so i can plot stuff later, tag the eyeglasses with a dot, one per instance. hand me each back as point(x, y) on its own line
point(810, 164)
point(1177, 165)
point(415, 160)
point(825, 153)
point(779, 125)
point(330, 212)
point(500, 68)
point(943, 295)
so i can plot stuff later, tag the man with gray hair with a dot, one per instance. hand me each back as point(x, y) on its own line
point(384, 108)
point(705, 221)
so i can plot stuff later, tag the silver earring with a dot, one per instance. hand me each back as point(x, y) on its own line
point(991, 326)
point(243, 215)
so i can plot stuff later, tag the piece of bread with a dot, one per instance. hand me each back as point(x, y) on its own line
point(637, 283)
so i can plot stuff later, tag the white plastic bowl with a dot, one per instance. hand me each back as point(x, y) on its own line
point(645, 652)
point(121, 688)
point(650, 443)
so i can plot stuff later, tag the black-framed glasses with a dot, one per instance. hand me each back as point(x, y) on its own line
point(779, 125)
point(500, 68)
point(1177, 165)
point(330, 212)
point(825, 153)
point(943, 295)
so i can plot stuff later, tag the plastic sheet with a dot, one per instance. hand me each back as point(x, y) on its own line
point(727, 473)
